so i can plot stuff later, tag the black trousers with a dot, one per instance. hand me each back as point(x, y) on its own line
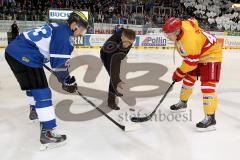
point(27, 77)
point(112, 64)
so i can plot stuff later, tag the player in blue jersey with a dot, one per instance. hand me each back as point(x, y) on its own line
point(26, 56)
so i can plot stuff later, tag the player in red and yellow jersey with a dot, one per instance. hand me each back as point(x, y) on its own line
point(202, 56)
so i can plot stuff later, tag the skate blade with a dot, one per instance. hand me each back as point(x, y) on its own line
point(48, 146)
point(179, 111)
point(210, 128)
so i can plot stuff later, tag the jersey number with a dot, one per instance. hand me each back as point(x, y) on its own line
point(39, 33)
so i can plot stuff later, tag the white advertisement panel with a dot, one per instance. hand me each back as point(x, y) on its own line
point(59, 14)
point(232, 41)
point(56, 14)
point(96, 39)
point(153, 40)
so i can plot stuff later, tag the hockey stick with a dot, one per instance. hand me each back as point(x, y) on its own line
point(124, 128)
point(144, 119)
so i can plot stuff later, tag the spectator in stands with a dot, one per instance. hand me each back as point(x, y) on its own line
point(112, 11)
point(15, 30)
point(117, 29)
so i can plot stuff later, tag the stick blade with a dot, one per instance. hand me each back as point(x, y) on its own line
point(140, 119)
point(132, 127)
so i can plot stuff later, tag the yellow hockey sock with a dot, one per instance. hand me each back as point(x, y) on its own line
point(186, 92)
point(210, 103)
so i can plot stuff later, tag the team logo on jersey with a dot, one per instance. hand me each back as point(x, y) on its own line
point(25, 59)
point(180, 49)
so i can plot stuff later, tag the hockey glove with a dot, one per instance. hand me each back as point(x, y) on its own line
point(69, 84)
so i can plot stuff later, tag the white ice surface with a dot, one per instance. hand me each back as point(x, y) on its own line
point(101, 139)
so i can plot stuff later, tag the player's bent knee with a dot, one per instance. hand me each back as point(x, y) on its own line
point(189, 80)
point(44, 107)
point(40, 94)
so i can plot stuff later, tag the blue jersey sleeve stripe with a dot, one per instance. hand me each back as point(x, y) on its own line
point(58, 61)
point(59, 69)
point(60, 56)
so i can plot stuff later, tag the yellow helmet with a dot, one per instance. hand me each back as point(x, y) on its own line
point(79, 18)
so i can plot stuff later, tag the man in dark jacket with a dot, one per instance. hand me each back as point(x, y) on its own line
point(112, 53)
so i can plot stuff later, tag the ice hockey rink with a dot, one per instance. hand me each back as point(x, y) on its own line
point(92, 136)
